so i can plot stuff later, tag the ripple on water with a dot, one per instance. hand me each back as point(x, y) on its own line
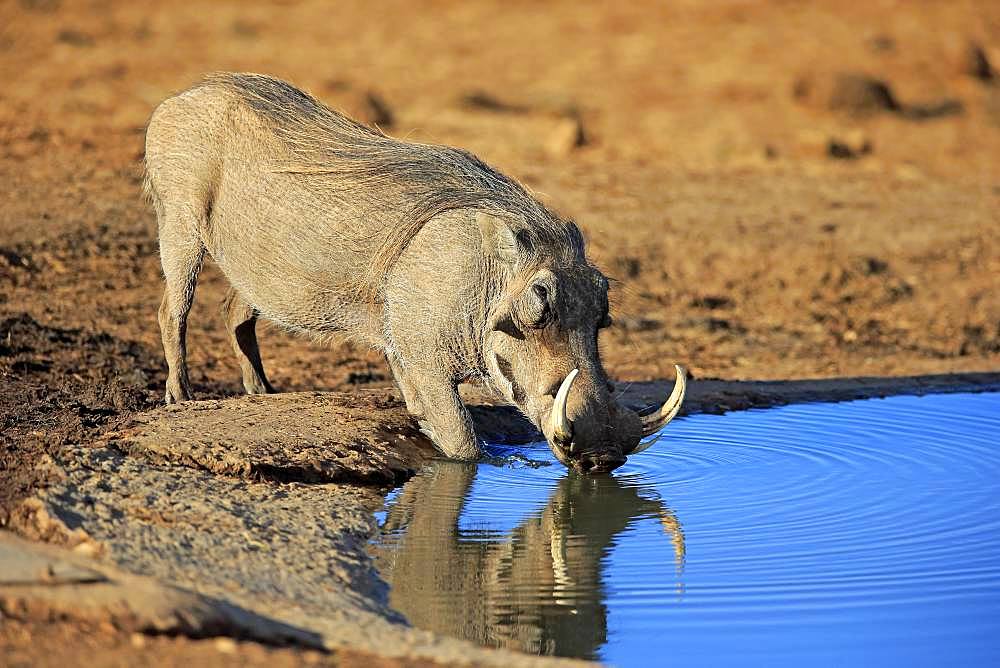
point(863, 531)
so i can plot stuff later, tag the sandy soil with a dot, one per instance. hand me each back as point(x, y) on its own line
point(783, 190)
point(68, 643)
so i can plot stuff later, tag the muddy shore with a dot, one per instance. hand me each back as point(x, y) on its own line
point(781, 192)
point(171, 493)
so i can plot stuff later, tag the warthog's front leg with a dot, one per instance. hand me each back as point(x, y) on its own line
point(445, 419)
point(406, 387)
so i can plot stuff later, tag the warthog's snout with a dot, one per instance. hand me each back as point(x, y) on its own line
point(606, 433)
point(598, 462)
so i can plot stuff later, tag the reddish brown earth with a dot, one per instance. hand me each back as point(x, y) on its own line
point(45, 645)
point(783, 190)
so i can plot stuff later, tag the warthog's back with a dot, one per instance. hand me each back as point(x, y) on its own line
point(450, 268)
point(304, 209)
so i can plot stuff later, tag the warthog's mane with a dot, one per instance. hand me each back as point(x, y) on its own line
point(403, 184)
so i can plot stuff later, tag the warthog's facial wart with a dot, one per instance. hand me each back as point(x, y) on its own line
point(543, 355)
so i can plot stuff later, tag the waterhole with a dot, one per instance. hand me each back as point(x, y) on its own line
point(861, 533)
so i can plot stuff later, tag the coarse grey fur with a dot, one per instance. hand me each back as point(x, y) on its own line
point(324, 225)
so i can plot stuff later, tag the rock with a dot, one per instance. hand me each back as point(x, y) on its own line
point(627, 266)
point(482, 101)
point(931, 110)
point(712, 302)
point(977, 64)
point(567, 136)
point(871, 266)
point(245, 29)
point(882, 43)
point(75, 38)
point(34, 521)
point(849, 145)
point(225, 645)
point(861, 95)
point(638, 324)
point(362, 104)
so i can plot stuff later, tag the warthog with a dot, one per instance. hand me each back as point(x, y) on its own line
point(323, 225)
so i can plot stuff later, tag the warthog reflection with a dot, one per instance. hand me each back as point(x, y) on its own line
point(538, 588)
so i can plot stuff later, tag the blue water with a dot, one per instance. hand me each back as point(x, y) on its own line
point(861, 533)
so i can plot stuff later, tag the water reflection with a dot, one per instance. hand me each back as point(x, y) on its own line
point(539, 587)
point(862, 533)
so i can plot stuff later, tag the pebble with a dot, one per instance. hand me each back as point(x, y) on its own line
point(225, 645)
point(567, 135)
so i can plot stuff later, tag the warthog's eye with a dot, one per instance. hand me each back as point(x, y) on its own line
point(540, 308)
point(537, 312)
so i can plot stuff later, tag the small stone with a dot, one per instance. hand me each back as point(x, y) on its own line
point(138, 640)
point(861, 95)
point(87, 548)
point(638, 324)
point(225, 645)
point(849, 145)
point(75, 38)
point(872, 266)
point(882, 43)
point(565, 137)
point(977, 64)
point(479, 100)
point(362, 104)
point(628, 266)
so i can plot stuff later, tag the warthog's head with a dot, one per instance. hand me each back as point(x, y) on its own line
point(542, 351)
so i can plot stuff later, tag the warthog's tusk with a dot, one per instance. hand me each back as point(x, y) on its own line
point(655, 421)
point(560, 570)
point(561, 427)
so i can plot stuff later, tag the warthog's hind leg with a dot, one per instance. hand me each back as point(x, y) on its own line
point(181, 254)
point(241, 325)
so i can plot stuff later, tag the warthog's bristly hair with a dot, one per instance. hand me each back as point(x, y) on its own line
point(324, 226)
point(351, 160)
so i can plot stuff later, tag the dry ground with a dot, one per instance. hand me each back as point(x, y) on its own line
point(47, 645)
point(766, 216)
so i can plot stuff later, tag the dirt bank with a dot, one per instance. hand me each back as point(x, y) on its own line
point(259, 550)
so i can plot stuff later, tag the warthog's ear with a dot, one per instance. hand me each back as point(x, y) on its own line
point(576, 238)
point(500, 239)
